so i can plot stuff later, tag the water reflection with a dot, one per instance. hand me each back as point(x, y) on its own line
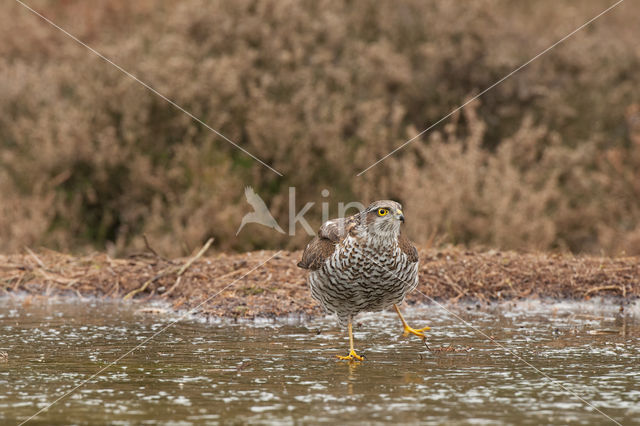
point(285, 372)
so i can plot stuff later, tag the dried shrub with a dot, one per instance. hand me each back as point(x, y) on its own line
point(319, 90)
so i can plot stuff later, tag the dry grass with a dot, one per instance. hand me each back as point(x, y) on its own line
point(226, 286)
point(90, 159)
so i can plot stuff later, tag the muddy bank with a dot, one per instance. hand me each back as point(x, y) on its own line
point(243, 285)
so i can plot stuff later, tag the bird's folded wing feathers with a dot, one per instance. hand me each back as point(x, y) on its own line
point(408, 248)
point(331, 233)
point(316, 252)
point(336, 230)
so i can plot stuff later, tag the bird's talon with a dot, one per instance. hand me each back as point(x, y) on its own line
point(351, 357)
point(415, 331)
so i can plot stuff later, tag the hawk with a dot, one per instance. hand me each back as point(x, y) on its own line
point(362, 263)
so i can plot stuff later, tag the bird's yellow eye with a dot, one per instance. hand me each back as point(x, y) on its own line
point(383, 212)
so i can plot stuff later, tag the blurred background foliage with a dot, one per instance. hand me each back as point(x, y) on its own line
point(547, 160)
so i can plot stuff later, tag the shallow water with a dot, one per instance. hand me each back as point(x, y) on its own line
point(285, 372)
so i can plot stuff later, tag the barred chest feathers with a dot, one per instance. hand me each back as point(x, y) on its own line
point(363, 274)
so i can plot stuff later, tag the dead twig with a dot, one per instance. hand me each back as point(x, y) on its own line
point(196, 257)
point(604, 287)
point(36, 258)
point(450, 348)
point(227, 275)
point(155, 253)
point(170, 271)
point(455, 287)
point(144, 286)
point(173, 287)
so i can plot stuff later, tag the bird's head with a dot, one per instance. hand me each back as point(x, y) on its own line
point(384, 218)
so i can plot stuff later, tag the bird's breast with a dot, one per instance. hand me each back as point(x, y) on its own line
point(368, 261)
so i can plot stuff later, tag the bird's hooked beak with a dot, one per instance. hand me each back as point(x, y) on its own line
point(399, 215)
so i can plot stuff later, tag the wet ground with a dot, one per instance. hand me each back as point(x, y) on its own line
point(285, 372)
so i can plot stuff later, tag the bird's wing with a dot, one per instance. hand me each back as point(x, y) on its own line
point(337, 230)
point(254, 200)
point(331, 233)
point(316, 252)
point(407, 248)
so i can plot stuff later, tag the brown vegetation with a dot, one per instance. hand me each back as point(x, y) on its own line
point(238, 286)
point(548, 159)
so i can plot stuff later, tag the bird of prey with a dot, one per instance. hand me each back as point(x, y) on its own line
point(362, 263)
point(260, 213)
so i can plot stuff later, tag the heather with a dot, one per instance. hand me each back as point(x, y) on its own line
point(547, 160)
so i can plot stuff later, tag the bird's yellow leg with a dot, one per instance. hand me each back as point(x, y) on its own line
point(408, 330)
point(352, 352)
